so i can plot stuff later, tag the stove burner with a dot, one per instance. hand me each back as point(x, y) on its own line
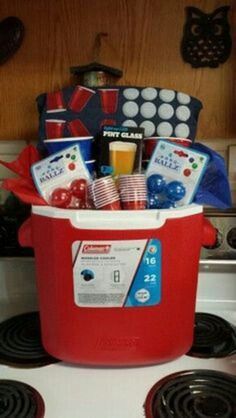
point(18, 400)
point(213, 337)
point(20, 342)
point(194, 394)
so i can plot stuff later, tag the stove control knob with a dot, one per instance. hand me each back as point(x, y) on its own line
point(231, 238)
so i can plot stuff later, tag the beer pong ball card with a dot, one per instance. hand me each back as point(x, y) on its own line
point(120, 150)
point(58, 171)
point(179, 168)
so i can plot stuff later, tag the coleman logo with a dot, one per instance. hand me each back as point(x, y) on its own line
point(96, 249)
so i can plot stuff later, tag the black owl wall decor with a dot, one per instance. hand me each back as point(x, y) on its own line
point(206, 39)
point(11, 36)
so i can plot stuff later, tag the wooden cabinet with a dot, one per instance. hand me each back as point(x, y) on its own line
point(144, 40)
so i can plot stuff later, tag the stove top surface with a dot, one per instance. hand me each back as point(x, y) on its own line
point(20, 342)
point(18, 399)
point(193, 393)
point(71, 391)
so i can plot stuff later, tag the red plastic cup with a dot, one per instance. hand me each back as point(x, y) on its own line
point(80, 97)
point(134, 205)
point(105, 198)
point(108, 122)
point(104, 201)
point(132, 197)
point(132, 193)
point(109, 100)
point(127, 179)
point(145, 164)
point(102, 182)
point(130, 182)
point(130, 187)
point(133, 177)
point(149, 146)
point(182, 141)
point(77, 128)
point(185, 142)
point(97, 190)
point(103, 192)
point(55, 102)
point(111, 206)
point(54, 128)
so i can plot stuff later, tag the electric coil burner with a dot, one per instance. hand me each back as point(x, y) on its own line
point(20, 342)
point(213, 337)
point(194, 394)
point(18, 400)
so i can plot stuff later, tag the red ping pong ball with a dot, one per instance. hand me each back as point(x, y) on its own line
point(60, 197)
point(78, 188)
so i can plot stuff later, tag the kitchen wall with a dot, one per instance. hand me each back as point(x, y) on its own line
point(144, 40)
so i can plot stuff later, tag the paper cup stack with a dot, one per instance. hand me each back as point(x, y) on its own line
point(133, 191)
point(104, 194)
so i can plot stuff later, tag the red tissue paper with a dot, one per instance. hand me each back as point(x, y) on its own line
point(23, 186)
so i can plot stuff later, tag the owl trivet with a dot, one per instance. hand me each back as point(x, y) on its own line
point(11, 37)
point(206, 39)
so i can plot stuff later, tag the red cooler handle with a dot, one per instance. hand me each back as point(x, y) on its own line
point(209, 237)
point(25, 233)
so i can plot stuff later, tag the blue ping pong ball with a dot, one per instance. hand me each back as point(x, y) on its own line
point(153, 201)
point(156, 183)
point(175, 190)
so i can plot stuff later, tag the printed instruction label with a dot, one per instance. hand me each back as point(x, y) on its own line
point(117, 273)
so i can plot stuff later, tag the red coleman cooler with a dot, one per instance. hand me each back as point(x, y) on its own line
point(117, 288)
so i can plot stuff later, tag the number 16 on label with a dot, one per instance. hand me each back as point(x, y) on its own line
point(151, 261)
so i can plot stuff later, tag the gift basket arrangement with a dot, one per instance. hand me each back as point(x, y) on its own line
point(117, 183)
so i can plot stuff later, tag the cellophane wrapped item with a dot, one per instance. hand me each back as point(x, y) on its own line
point(214, 188)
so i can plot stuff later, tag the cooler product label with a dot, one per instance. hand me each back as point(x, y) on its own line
point(117, 273)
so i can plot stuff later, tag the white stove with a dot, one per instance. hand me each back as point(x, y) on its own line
point(71, 391)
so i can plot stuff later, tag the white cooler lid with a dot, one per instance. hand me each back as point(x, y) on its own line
point(117, 219)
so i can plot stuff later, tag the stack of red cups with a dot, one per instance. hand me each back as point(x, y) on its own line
point(133, 191)
point(104, 194)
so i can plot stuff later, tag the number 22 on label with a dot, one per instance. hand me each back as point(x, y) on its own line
point(149, 278)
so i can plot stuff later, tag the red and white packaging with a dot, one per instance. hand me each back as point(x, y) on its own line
point(62, 178)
